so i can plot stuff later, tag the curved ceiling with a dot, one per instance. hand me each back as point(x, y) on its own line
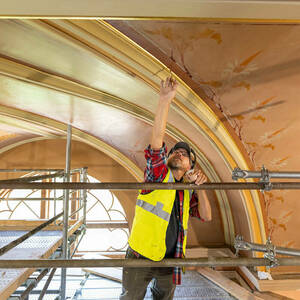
point(251, 73)
point(86, 73)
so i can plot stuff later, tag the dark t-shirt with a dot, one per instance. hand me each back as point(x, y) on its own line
point(173, 229)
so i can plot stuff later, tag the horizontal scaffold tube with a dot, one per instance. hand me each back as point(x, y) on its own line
point(149, 186)
point(248, 246)
point(140, 263)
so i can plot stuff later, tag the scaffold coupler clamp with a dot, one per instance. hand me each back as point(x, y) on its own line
point(271, 254)
point(265, 180)
point(240, 244)
point(237, 173)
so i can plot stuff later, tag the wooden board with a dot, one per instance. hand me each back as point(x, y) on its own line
point(114, 274)
point(228, 285)
point(279, 285)
point(288, 284)
point(29, 224)
point(206, 252)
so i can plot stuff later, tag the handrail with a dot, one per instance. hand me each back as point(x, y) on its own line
point(32, 285)
point(150, 186)
point(44, 290)
point(141, 263)
point(240, 244)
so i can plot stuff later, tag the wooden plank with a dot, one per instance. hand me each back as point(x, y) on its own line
point(206, 252)
point(114, 274)
point(236, 277)
point(249, 277)
point(271, 296)
point(279, 285)
point(228, 285)
point(265, 285)
point(11, 225)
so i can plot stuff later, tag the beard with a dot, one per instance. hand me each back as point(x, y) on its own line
point(174, 163)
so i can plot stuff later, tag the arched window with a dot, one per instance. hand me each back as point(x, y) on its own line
point(103, 210)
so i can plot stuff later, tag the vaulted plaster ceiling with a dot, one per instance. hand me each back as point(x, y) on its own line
point(236, 102)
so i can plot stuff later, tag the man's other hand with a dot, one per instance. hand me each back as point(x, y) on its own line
point(196, 177)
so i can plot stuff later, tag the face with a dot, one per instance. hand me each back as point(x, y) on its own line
point(180, 160)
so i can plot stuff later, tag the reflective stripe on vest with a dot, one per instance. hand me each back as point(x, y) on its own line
point(156, 210)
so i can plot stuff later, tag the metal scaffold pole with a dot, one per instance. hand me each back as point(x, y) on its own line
point(238, 173)
point(126, 186)
point(142, 263)
point(84, 193)
point(65, 252)
point(240, 244)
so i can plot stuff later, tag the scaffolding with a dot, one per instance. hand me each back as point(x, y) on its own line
point(65, 249)
point(64, 259)
point(71, 232)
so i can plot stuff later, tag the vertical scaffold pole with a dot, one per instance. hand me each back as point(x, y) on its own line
point(65, 252)
point(84, 195)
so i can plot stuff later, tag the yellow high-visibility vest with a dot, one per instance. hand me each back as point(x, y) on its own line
point(150, 223)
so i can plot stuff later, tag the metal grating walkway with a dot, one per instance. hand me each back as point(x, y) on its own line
point(194, 286)
point(80, 287)
point(39, 245)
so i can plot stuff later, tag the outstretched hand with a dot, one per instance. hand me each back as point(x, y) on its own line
point(168, 89)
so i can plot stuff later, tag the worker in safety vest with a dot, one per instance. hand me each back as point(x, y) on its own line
point(159, 227)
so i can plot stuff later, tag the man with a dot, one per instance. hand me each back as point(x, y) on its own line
point(159, 227)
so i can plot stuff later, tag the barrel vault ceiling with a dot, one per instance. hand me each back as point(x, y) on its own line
point(237, 101)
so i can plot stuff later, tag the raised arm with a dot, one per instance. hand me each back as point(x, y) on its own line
point(167, 93)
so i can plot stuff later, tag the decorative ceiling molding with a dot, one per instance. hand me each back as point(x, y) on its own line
point(221, 10)
point(77, 134)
